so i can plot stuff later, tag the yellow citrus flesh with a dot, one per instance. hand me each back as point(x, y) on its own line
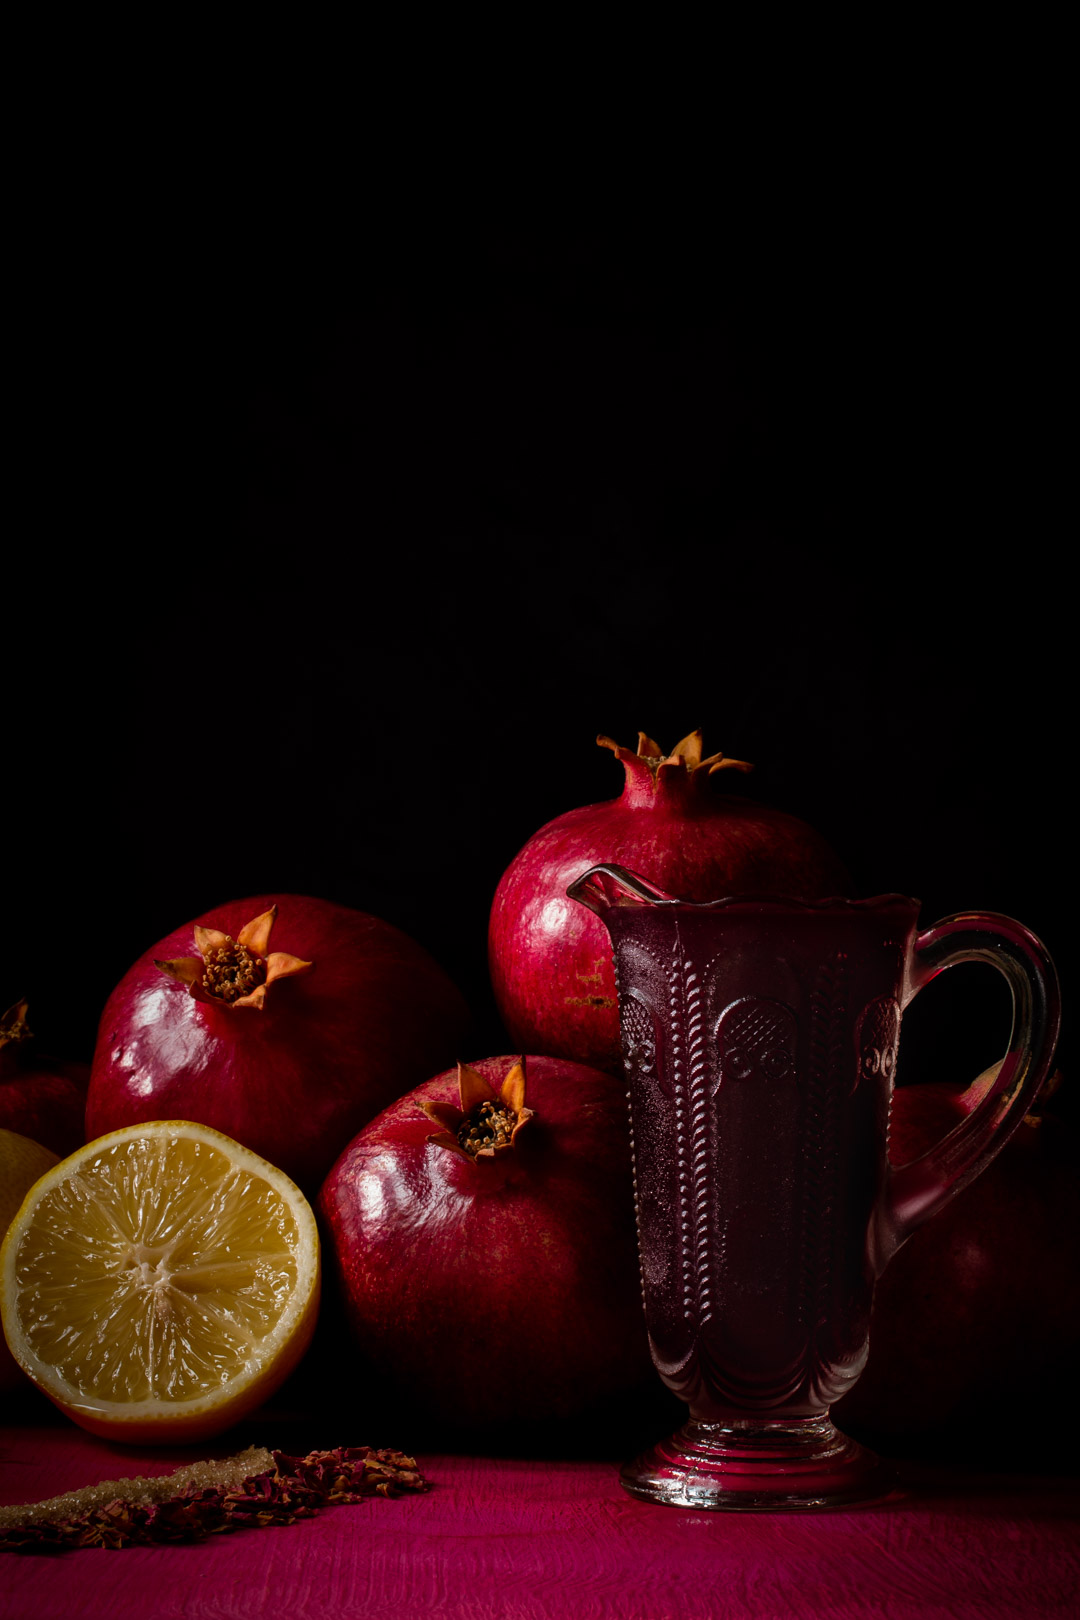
point(161, 1282)
point(21, 1163)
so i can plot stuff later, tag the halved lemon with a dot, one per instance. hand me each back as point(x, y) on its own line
point(160, 1283)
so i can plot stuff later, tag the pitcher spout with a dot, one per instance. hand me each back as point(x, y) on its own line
point(603, 888)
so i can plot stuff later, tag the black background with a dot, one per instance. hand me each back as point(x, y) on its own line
point(332, 556)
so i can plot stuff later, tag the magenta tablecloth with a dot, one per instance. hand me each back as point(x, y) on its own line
point(523, 1539)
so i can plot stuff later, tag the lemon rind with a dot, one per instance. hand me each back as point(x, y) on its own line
point(302, 1302)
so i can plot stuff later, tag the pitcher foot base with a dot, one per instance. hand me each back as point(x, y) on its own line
point(751, 1466)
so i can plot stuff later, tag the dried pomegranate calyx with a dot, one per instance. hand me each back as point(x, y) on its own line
point(234, 972)
point(231, 971)
point(685, 754)
point(13, 1025)
point(491, 1125)
point(14, 1034)
point(486, 1125)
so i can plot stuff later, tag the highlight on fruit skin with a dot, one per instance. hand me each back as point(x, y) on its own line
point(676, 825)
point(160, 1283)
point(488, 1269)
point(289, 1052)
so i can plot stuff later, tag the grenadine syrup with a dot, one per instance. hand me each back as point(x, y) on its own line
point(759, 1039)
point(759, 1036)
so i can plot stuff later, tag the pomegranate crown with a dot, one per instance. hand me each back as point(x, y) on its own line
point(14, 1033)
point(487, 1124)
point(686, 755)
point(653, 776)
point(234, 972)
point(13, 1025)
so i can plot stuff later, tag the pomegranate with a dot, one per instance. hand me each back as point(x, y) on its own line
point(289, 1052)
point(551, 959)
point(980, 1310)
point(40, 1097)
point(488, 1268)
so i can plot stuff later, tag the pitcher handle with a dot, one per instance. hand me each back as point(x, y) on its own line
point(916, 1191)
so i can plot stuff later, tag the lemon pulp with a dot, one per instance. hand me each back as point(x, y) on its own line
point(159, 1267)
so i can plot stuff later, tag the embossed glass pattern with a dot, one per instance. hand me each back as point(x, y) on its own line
point(760, 1042)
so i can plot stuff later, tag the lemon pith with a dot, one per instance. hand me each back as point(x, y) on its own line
point(160, 1272)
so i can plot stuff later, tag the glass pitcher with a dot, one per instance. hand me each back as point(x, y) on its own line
point(759, 1038)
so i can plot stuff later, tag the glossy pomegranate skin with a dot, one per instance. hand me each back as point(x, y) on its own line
point(296, 1080)
point(502, 1290)
point(46, 1106)
point(979, 1313)
point(550, 958)
point(40, 1096)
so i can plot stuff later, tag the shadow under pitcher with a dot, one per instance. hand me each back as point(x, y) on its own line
point(759, 1039)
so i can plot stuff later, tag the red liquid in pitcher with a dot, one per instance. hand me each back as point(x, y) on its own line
point(760, 1043)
